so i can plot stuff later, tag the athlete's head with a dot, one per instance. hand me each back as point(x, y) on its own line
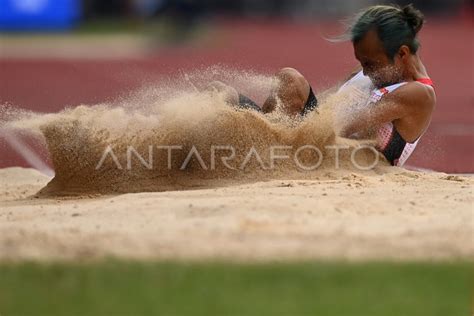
point(384, 38)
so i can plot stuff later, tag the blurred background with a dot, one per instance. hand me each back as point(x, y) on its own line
point(60, 53)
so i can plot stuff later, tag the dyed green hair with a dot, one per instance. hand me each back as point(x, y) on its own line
point(394, 25)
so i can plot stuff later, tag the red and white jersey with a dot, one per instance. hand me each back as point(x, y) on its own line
point(389, 142)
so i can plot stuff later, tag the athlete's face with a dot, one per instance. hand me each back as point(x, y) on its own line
point(382, 70)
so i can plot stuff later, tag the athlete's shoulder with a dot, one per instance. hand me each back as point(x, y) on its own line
point(416, 95)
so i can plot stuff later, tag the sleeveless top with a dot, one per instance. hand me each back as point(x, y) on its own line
point(389, 142)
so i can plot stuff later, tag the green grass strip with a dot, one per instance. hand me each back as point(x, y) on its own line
point(176, 288)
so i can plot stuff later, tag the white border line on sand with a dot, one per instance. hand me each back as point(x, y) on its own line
point(25, 151)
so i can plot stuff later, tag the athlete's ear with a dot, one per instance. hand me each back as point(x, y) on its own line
point(404, 52)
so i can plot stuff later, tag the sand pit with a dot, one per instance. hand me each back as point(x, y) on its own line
point(244, 208)
point(400, 215)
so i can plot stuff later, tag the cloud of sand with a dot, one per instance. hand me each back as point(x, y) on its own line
point(175, 113)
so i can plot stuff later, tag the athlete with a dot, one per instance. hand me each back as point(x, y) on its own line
point(400, 96)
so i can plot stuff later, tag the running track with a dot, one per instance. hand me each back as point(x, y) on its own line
point(48, 85)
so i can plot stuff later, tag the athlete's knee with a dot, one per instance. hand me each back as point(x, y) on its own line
point(291, 75)
point(293, 82)
point(288, 73)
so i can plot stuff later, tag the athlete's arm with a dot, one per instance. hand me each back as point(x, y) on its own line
point(406, 101)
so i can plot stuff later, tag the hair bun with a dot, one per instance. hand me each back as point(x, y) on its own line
point(414, 17)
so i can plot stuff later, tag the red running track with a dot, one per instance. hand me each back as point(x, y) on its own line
point(47, 85)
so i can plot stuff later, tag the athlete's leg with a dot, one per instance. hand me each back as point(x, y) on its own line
point(231, 95)
point(293, 91)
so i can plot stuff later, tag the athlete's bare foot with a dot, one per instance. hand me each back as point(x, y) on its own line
point(231, 95)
